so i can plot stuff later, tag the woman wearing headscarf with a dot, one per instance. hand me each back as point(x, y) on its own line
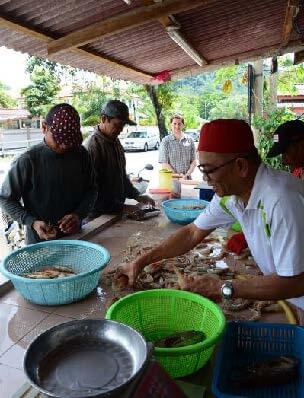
point(49, 188)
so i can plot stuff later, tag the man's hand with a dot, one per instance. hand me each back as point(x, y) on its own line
point(44, 230)
point(126, 275)
point(145, 199)
point(207, 286)
point(69, 224)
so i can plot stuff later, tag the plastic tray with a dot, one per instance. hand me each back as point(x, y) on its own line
point(246, 342)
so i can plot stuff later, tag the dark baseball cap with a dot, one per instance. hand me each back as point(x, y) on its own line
point(119, 110)
point(285, 134)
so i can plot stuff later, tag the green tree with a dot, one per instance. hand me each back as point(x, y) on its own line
point(62, 72)
point(41, 93)
point(267, 126)
point(6, 101)
point(189, 106)
point(208, 101)
point(233, 106)
point(89, 101)
point(289, 76)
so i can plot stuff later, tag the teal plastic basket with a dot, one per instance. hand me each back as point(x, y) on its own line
point(176, 209)
point(86, 259)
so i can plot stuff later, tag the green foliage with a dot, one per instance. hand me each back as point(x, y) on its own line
point(233, 73)
point(60, 71)
point(188, 105)
point(41, 94)
point(289, 76)
point(165, 96)
point(267, 126)
point(92, 120)
point(6, 101)
point(233, 106)
point(89, 101)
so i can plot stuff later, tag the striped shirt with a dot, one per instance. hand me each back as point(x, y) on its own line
point(178, 153)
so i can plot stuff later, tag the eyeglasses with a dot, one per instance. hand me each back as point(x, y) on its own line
point(207, 173)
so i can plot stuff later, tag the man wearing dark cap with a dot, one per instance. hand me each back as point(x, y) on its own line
point(53, 179)
point(267, 203)
point(109, 162)
point(289, 142)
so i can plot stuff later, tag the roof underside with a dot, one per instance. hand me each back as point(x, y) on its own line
point(221, 32)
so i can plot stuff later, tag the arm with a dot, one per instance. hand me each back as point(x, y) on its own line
point(12, 191)
point(177, 244)
point(191, 168)
point(181, 242)
point(193, 160)
point(164, 156)
point(89, 197)
point(131, 191)
point(269, 287)
point(168, 167)
point(71, 223)
point(286, 241)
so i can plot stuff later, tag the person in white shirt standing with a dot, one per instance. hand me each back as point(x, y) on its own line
point(177, 152)
point(268, 204)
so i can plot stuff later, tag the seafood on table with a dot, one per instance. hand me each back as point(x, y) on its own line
point(193, 207)
point(181, 339)
point(209, 257)
point(47, 272)
point(273, 371)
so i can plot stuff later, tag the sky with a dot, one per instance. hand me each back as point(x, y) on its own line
point(12, 70)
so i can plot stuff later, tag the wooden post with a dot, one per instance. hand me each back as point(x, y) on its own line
point(257, 93)
point(273, 92)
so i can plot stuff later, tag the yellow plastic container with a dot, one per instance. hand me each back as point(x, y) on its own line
point(165, 179)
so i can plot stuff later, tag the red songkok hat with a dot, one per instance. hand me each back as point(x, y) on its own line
point(226, 136)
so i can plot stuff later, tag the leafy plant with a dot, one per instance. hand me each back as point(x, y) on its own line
point(6, 101)
point(267, 126)
point(41, 93)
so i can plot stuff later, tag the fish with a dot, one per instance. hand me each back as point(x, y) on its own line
point(181, 339)
point(277, 370)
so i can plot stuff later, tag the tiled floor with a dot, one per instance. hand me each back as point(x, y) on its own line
point(21, 322)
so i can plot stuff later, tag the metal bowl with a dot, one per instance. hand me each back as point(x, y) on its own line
point(85, 358)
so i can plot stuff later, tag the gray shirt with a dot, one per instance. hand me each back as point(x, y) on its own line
point(50, 186)
point(178, 153)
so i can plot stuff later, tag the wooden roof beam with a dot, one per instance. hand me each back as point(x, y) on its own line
point(136, 17)
point(290, 12)
point(248, 56)
point(174, 32)
point(47, 39)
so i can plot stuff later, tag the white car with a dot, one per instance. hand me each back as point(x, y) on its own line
point(140, 140)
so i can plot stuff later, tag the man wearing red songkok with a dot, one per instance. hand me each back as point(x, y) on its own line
point(54, 180)
point(267, 203)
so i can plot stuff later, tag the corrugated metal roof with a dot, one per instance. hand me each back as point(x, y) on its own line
point(218, 30)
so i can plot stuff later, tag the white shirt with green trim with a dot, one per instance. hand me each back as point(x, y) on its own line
point(280, 196)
